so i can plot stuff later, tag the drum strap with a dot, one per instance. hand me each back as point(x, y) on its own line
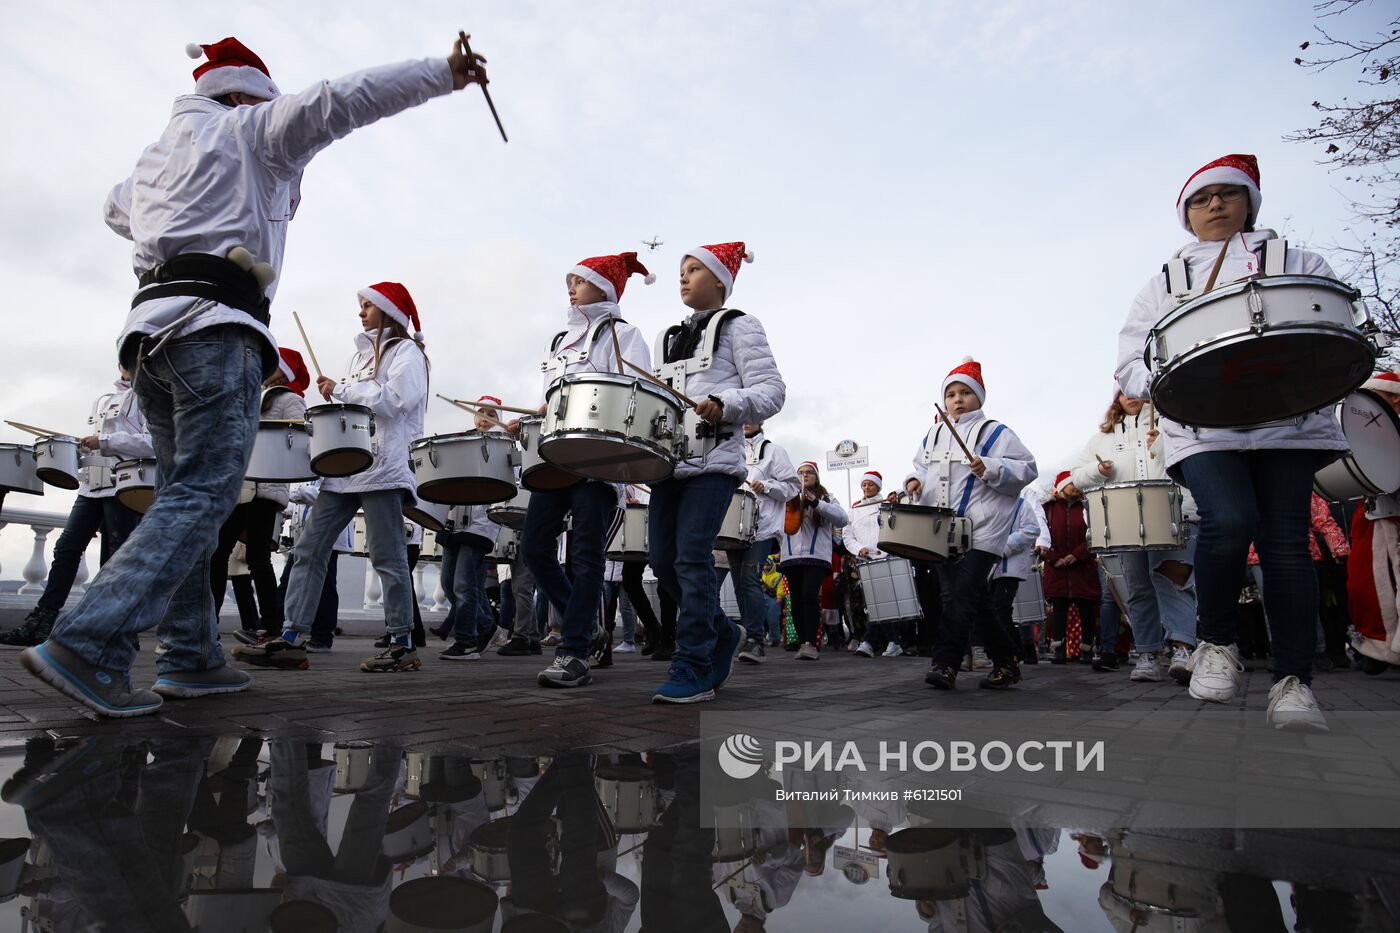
point(1275, 256)
point(201, 275)
point(1178, 275)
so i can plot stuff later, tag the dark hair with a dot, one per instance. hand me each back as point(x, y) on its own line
point(398, 332)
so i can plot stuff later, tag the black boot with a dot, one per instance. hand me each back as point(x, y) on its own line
point(942, 676)
point(34, 630)
point(1003, 676)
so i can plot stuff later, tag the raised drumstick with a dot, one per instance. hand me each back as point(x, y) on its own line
point(467, 408)
point(466, 47)
point(510, 408)
point(309, 352)
point(953, 428)
point(40, 432)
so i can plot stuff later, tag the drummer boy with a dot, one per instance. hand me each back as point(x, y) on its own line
point(983, 488)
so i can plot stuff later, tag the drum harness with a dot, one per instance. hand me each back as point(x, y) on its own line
point(946, 459)
point(677, 347)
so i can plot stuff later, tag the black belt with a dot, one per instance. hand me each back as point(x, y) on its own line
point(201, 275)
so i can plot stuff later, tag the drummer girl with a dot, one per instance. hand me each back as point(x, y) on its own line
point(806, 556)
point(389, 375)
point(1249, 484)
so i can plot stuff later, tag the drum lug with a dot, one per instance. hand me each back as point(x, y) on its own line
point(1159, 356)
point(1257, 320)
point(371, 424)
point(432, 454)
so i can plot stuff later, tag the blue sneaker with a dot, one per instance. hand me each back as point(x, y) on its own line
point(107, 692)
point(683, 685)
point(727, 647)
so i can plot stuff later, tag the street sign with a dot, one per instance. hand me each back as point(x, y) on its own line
point(848, 455)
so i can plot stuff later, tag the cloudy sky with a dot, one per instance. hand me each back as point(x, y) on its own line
point(919, 180)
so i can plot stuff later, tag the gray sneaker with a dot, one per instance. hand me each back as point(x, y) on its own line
point(107, 692)
point(187, 685)
point(565, 671)
point(752, 651)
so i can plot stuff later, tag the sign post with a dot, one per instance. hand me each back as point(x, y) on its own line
point(848, 456)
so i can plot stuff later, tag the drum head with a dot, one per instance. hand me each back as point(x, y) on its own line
point(138, 500)
point(607, 458)
point(508, 518)
point(343, 461)
point(1248, 380)
point(466, 490)
point(548, 478)
point(427, 519)
point(57, 478)
point(1372, 431)
point(441, 903)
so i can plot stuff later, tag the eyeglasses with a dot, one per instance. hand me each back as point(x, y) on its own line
point(1201, 200)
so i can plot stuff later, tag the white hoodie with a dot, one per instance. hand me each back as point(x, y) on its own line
point(1126, 448)
point(770, 465)
point(864, 528)
point(397, 393)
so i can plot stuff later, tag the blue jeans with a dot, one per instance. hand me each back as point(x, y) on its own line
point(464, 571)
point(595, 513)
point(629, 616)
point(328, 609)
point(683, 518)
point(201, 395)
point(89, 516)
point(1158, 609)
point(1264, 496)
point(388, 552)
point(748, 588)
point(967, 612)
point(1110, 620)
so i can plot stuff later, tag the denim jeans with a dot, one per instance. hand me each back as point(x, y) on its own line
point(89, 516)
point(328, 609)
point(595, 513)
point(1110, 618)
point(1158, 609)
point(629, 616)
point(684, 516)
point(384, 535)
point(566, 785)
point(1264, 496)
point(464, 570)
point(524, 622)
point(201, 395)
point(967, 611)
point(773, 619)
point(748, 588)
point(1003, 603)
point(632, 576)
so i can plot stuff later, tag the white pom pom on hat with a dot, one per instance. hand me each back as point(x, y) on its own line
point(194, 50)
point(649, 279)
point(968, 359)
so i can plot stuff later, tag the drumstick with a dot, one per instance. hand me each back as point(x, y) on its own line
point(954, 431)
point(733, 873)
point(649, 377)
point(467, 408)
point(41, 432)
point(617, 347)
point(510, 408)
point(1210, 283)
point(471, 63)
point(309, 352)
point(1152, 425)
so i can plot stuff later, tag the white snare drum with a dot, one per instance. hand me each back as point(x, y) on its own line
point(471, 468)
point(511, 513)
point(507, 547)
point(1372, 466)
point(352, 761)
point(888, 586)
point(629, 795)
point(56, 461)
point(1141, 516)
point(281, 453)
point(1030, 601)
point(931, 864)
point(486, 851)
point(18, 469)
point(736, 832)
point(342, 439)
point(442, 904)
point(535, 472)
point(408, 832)
point(492, 774)
point(431, 515)
point(629, 542)
point(1265, 349)
point(610, 427)
point(430, 551)
point(922, 532)
point(135, 482)
point(740, 522)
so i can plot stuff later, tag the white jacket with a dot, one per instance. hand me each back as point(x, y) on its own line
point(744, 376)
point(279, 404)
point(1316, 431)
point(1126, 448)
point(472, 520)
point(121, 434)
point(949, 482)
point(1025, 529)
point(863, 531)
point(398, 394)
point(770, 465)
point(812, 543)
point(221, 177)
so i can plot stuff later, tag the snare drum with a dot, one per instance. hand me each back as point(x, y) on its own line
point(1030, 600)
point(408, 832)
point(431, 515)
point(1262, 350)
point(740, 522)
point(1141, 516)
point(922, 532)
point(1372, 466)
point(932, 864)
point(341, 439)
point(511, 513)
point(535, 472)
point(487, 851)
point(628, 793)
point(471, 468)
point(352, 766)
point(629, 542)
point(135, 482)
point(888, 586)
point(281, 453)
point(56, 461)
point(18, 469)
point(360, 536)
point(1382, 507)
point(610, 427)
point(507, 547)
point(492, 774)
point(736, 832)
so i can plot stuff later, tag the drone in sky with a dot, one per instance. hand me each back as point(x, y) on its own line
point(653, 243)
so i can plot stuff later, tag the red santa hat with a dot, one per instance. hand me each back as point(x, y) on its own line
point(875, 478)
point(968, 372)
point(1061, 481)
point(1235, 169)
point(394, 300)
point(488, 403)
point(1383, 382)
point(230, 67)
point(809, 463)
point(294, 368)
point(723, 259)
point(610, 273)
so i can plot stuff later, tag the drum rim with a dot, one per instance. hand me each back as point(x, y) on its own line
point(64, 439)
point(1259, 280)
point(460, 436)
point(338, 406)
point(57, 475)
point(1390, 414)
point(1241, 334)
point(617, 379)
point(1134, 484)
point(269, 426)
point(611, 437)
point(281, 479)
point(914, 508)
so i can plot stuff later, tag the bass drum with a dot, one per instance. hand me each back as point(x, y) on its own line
point(1372, 465)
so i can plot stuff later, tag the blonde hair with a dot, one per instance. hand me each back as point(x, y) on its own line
point(1114, 416)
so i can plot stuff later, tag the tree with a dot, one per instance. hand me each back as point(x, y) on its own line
point(1362, 140)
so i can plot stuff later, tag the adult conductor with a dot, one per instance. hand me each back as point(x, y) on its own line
point(207, 208)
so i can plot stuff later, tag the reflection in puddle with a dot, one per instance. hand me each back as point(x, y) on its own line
point(244, 834)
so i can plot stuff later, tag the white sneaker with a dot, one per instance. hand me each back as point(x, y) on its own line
point(892, 650)
point(980, 661)
point(553, 640)
point(1292, 706)
point(625, 648)
point(1147, 670)
point(864, 650)
point(1179, 667)
point(1216, 673)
